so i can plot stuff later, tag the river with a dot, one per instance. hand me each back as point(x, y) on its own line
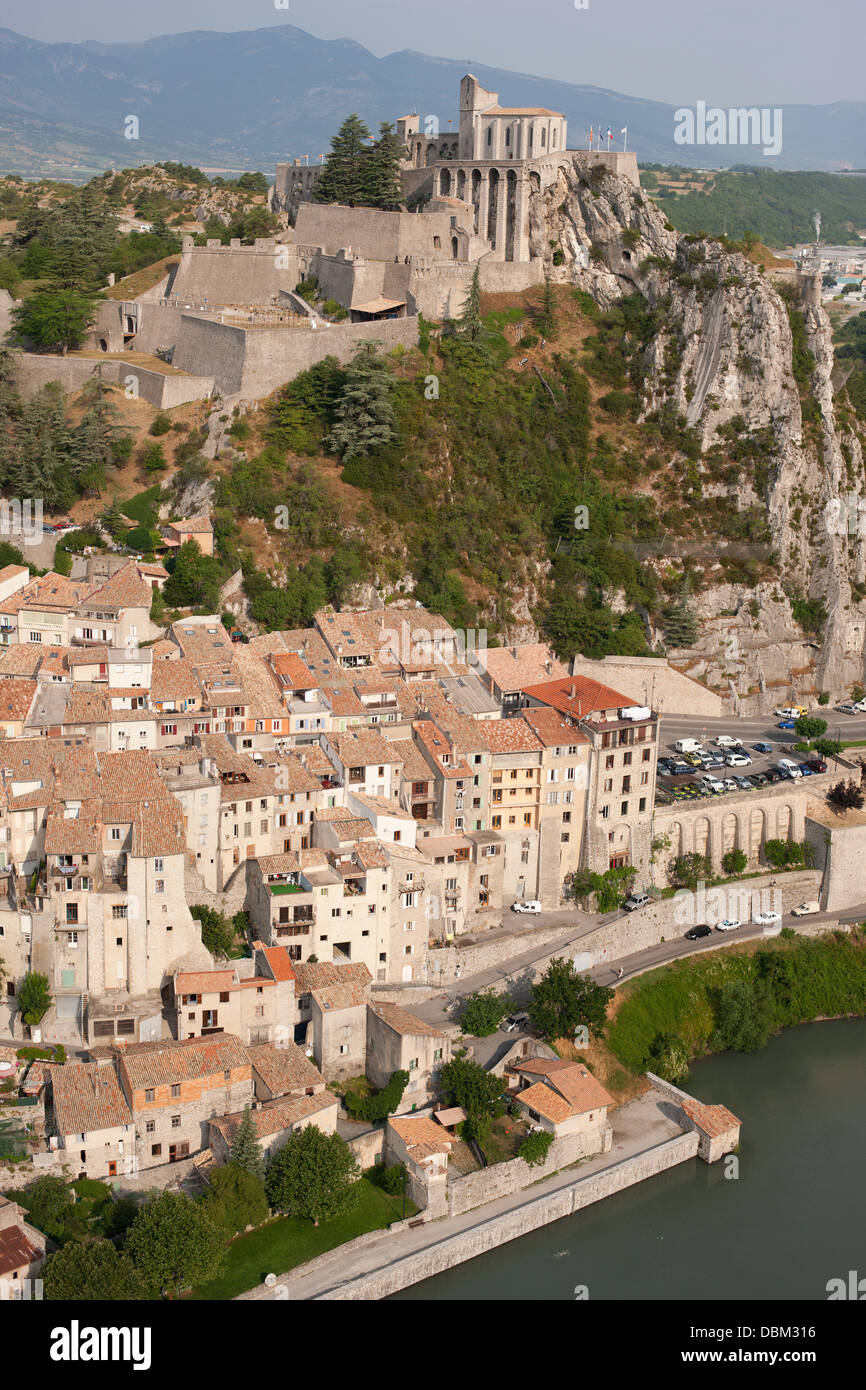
point(793, 1218)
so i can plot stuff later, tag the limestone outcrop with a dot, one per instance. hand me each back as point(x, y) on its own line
point(724, 364)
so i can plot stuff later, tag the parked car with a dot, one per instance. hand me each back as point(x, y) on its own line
point(790, 712)
point(714, 761)
point(515, 1021)
point(763, 747)
point(666, 765)
point(745, 784)
point(738, 760)
point(726, 741)
point(526, 905)
point(712, 784)
point(692, 759)
point(730, 784)
point(765, 919)
point(785, 774)
point(818, 765)
point(786, 724)
point(806, 909)
point(636, 900)
point(785, 765)
point(772, 775)
point(762, 778)
point(807, 769)
point(848, 708)
point(729, 924)
point(681, 769)
point(687, 745)
point(695, 933)
point(861, 706)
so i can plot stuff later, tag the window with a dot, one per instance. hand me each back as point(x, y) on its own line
point(175, 1121)
point(175, 1092)
point(413, 1064)
point(114, 833)
point(641, 806)
point(148, 1096)
point(623, 810)
point(119, 910)
point(159, 885)
point(150, 1126)
point(156, 1149)
point(608, 784)
point(608, 762)
point(157, 866)
point(605, 812)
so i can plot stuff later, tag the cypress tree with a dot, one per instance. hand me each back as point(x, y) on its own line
point(246, 1151)
point(469, 321)
point(383, 187)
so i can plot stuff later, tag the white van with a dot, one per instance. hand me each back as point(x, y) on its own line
point(688, 745)
point(793, 768)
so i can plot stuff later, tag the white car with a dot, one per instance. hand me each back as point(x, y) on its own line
point(805, 909)
point(526, 905)
point(730, 785)
point(725, 741)
point(729, 924)
point(764, 919)
point(860, 705)
point(738, 760)
point(712, 784)
point(790, 712)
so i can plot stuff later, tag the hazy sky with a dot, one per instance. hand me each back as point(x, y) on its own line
point(758, 51)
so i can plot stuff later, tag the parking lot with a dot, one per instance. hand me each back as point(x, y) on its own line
point(684, 784)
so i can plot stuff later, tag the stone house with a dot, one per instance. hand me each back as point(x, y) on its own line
point(93, 1124)
point(562, 1098)
point(22, 1251)
point(275, 1121)
point(398, 1041)
point(175, 1089)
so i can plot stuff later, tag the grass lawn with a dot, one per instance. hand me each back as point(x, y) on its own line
point(144, 508)
point(505, 1139)
point(282, 1244)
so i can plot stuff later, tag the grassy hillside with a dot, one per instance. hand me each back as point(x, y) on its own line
point(778, 206)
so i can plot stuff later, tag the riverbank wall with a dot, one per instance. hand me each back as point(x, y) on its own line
point(498, 1230)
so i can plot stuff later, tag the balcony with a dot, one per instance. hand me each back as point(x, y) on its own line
point(415, 885)
point(292, 929)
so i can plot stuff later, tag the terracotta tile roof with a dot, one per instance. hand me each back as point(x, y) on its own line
point(343, 702)
point(203, 640)
point(350, 829)
point(404, 1022)
point(278, 960)
point(293, 776)
point(344, 996)
point(147, 1065)
point(439, 747)
point(574, 1083)
point(284, 1069)
point(174, 680)
point(16, 697)
point(9, 571)
point(204, 982)
point(277, 1115)
point(579, 696)
point(362, 748)
point(415, 768)
point(512, 668)
point(87, 1097)
point(546, 1102)
point(512, 736)
point(421, 1131)
point(551, 728)
point(81, 834)
point(292, 670)
point(371, 854)
point(127, 588)
point(320, 974)
point(714, 1120)
point(194, 526)
point(520, 111)
point(16, 1250)
point(316, 760)
point(51, 591)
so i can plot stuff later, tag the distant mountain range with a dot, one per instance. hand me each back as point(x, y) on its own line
point(246, 100)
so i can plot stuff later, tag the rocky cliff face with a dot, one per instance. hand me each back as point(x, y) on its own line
point(740, 356)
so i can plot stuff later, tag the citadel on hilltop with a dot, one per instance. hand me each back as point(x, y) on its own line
point(228, 319)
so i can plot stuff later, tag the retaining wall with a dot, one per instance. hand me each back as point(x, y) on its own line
point(162, 390)
point(498, 1230)
point(500, 1179)
point(631, 932)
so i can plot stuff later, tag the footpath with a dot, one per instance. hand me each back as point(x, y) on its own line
point(646, 1141)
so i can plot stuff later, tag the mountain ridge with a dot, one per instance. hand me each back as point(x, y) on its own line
point(254, 97)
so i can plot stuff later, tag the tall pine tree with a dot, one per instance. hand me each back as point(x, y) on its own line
point(365, 419)
point(343, 177)
point(383, 187)
point(246, 1150)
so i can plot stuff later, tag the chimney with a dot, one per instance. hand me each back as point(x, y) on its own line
point(572, 691)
